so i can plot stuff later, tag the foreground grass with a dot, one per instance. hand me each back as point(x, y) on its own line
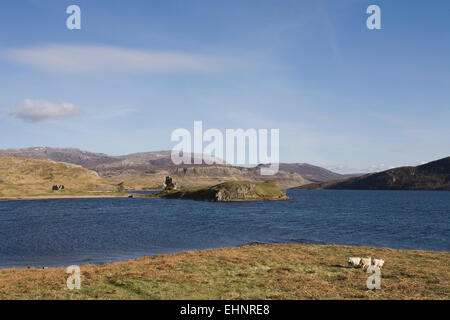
point(248, 272)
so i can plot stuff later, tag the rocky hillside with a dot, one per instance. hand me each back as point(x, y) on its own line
point(30, 177)
point(431, 176)
point(154, 159)
point(230, 191)
point(195, 175)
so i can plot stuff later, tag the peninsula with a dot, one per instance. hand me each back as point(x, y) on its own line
point(229, 191)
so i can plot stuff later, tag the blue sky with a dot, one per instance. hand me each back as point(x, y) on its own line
point(343, 96)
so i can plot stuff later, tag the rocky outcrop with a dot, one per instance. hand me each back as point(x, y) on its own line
point(230, 191)
point(236, 191)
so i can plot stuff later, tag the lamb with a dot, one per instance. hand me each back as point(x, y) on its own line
point(366, 262)
point(354, 261)
point(378, 263)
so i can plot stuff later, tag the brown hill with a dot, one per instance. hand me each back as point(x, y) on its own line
point(33, 177)
point(434, 175)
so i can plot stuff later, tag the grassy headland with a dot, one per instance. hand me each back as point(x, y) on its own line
point(229, 191)
point(248, 272)
point(22, 178)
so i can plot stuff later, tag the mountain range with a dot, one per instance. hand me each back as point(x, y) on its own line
point(313, 173)
point(146, 170)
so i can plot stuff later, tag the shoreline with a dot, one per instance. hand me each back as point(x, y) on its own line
point(143, 195)
point(250, 272)
point(61, 197)
point(190, 251)
point(125, 194)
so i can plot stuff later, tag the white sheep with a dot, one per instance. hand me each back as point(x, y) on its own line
point(354, 261)
point(366, 262)
point(378, 263)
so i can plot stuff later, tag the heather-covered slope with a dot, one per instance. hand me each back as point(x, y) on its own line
point(434, 175)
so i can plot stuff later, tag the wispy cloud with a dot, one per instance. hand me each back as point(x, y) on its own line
point(88, 58)
point(379, 167)
point(345, 169)
point(40, 110)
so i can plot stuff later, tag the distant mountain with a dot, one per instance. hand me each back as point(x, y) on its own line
point(70, 155)
point(154, 159)
point(313, 173)
point(91, 160)
point(434, 175)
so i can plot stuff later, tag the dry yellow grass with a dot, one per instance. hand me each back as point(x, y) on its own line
point(20, 177)
point(248, 272)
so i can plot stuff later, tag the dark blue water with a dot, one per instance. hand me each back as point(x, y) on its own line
point(79, 231)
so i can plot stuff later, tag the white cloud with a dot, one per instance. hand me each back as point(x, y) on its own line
point(40, 110)
point(78, 59)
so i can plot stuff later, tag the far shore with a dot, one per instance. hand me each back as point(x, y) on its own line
point(45, 197)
